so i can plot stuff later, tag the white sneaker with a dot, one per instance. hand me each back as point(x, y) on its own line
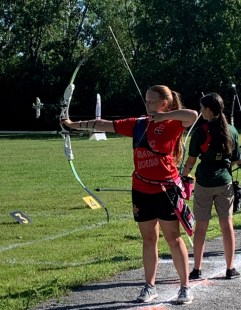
point(184, 295)
point(148, 293)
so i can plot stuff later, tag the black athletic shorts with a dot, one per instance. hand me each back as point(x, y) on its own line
point(148, 207)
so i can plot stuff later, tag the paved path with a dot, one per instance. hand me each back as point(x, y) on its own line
point(212, 293)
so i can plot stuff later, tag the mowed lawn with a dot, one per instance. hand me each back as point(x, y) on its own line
point(66, 244)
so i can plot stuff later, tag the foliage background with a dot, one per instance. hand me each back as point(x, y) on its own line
point(192, 46)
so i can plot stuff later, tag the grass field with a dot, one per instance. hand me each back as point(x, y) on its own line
point(67, 244)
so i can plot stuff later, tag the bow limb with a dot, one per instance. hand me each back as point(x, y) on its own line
point(186, 139)
point(190, 130)
point(69, 155)
point(185, 143)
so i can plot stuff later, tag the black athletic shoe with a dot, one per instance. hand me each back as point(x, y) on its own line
point(195, 274)
point(232, 274)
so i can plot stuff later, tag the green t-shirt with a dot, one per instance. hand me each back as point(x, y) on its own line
point(213, 169)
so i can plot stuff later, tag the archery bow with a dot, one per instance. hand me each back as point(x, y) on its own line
point(186, 139)
point(64, 114)
point(185, 143)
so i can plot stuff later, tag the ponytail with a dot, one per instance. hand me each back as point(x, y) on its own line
point(221, 138)
point(174, 101)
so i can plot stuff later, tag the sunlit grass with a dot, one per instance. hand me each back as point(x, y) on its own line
point(67, 244)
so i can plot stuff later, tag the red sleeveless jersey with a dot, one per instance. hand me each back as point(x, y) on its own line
point(158, 165)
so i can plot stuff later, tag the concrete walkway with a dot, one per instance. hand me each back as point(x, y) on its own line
point(213, 292)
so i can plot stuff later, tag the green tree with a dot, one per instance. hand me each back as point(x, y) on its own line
point(45, 41)
point(192, 46)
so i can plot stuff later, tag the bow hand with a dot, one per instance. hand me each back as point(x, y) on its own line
point(66, 121)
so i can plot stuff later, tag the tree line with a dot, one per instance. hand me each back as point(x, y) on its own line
point(192, 46)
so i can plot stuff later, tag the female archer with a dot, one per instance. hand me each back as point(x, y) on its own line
point(157, 149)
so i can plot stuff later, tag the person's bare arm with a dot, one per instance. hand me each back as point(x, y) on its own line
point(94, 124)
point(186, 116)
point(187, 168)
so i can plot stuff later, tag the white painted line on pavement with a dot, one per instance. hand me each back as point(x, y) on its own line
point(214, 274)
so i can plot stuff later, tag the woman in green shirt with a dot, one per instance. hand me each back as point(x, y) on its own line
point(216, 145)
